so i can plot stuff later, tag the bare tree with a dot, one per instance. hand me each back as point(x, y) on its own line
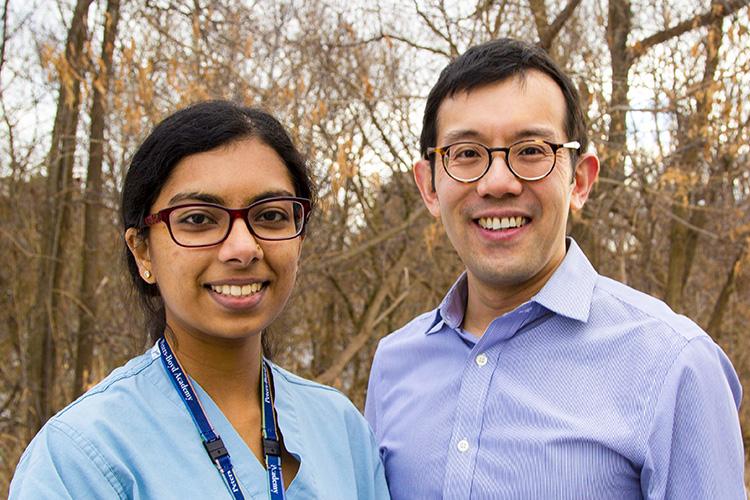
point(55, 217)
point(93, 202)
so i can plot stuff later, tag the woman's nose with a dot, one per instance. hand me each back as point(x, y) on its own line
point(241, 245)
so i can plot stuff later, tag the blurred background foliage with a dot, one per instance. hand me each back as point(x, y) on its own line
point(665, 85)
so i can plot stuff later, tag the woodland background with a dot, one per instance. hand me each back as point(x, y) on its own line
point(665, 84)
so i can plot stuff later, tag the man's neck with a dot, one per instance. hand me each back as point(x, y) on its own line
point(487, 301)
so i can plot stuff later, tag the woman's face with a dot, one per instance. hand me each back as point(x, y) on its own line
point(236, 288)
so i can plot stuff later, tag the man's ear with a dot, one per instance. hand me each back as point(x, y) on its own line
point(586, 173)
point(138, 246)
point(425, 183)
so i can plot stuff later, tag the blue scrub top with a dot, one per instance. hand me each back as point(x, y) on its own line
point(131, 437)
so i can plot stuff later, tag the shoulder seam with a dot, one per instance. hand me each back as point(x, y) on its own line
point(409, 326)
point(301, 381)
point(91, 452)
point(650, 315)
point(656, 394)
point(100, 388)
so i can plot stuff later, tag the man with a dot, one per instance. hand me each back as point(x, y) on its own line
point(536, 377)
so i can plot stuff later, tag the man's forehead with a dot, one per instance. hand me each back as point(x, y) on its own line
point(528, 105)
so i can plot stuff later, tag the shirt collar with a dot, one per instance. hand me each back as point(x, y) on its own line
point(568, 292)
point(451, 310)
point(571, 287)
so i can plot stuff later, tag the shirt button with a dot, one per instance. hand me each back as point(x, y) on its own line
point(481, 359)
point(463, 446)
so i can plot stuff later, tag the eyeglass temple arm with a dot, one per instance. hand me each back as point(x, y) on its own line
point(429, 152)
point(152, 219)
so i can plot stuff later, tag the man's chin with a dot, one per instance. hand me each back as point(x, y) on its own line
point(501, 276)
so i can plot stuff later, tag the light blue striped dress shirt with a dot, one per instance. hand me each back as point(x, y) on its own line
point(591, 390)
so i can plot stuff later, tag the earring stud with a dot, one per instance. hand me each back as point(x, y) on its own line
point(147, 274)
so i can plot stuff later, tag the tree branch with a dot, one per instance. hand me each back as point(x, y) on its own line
point(371, 318)
point(718, 11)
point(417, 45)
point(335, 258)
point(539, 12)
point(720, 307)
point(4, 34)
point(553, 29)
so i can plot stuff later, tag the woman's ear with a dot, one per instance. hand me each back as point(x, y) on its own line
point(138, 246)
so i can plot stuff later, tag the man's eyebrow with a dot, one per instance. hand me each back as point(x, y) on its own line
point(461, 135)
point(535, 133)
point(474, 135)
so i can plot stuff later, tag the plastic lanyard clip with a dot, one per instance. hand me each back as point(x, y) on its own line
point(272, 447)
point(215, 449)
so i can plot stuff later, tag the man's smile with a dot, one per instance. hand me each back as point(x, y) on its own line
point(500, 223)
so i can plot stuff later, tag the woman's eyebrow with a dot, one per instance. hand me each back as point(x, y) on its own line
point(196, 196)
point(218, 200)
point(269, 194)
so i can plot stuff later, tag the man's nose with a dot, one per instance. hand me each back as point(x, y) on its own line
point(499, 179)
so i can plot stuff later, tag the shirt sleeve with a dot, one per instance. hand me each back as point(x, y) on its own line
point(371, 399)
point(381, 486)
point(60, 464)
point(694, 445)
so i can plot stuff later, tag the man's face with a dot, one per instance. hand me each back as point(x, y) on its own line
point(500, 114)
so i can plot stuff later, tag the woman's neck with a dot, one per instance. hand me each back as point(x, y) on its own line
point(227, 369)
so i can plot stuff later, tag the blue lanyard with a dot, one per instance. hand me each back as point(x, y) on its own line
point(212, 441)
point(271, 445)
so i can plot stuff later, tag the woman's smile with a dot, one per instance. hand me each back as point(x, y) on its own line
point(238, 295)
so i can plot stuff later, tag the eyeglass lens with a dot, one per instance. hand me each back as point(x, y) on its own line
point(529, 159)
point(204, 225)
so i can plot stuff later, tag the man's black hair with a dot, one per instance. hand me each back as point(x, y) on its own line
point(493, 62)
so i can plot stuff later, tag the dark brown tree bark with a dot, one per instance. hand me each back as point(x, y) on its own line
point(42, 358)
point(546, 31)
point(93, 203)
point(722, 303)
point(684, 237)
point(618, 28)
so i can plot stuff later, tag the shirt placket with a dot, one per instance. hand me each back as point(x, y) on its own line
point(475, 384)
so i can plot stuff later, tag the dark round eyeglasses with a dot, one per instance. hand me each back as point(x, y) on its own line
point(530, 160)
point(195, 225)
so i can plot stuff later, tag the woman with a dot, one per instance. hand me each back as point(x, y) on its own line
point(213, 278)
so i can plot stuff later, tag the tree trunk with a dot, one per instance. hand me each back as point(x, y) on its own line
point(720, 307)
point(41, 367)
point(683, 237)
point(618, 30)
point(93, 204)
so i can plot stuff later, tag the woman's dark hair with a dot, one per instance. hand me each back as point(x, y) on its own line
point(201, 127)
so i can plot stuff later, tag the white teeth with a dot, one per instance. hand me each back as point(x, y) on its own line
point(501, 223)
point(237, 290)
